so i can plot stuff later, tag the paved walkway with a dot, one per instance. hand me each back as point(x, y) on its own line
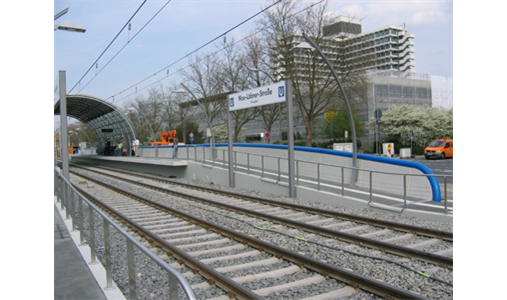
point(74, 278)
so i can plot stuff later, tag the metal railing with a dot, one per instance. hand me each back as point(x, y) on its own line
point(332, 176)
point(66, 196)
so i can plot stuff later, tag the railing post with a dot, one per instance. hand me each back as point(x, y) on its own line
point(297, 171)
point(195, 154)
point(91, 236)
point(57, 187)
point(371, 187)
point(279, 171)
point(81, 223)
point(343, 181)
point(66, 200)
point(62, 194)
point(173, 286)
point(107, 252)
point(445, 194)
point(405, 191)
point(131, 270)
point(318, 176)
point(248, 163)
point(73, 210)
point(262, 159)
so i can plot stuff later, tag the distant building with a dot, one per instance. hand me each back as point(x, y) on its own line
point(386, 55)
point(387, 48)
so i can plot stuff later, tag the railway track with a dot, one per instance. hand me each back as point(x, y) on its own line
point(224, 239)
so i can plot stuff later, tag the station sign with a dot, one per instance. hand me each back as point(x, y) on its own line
point(263, 95)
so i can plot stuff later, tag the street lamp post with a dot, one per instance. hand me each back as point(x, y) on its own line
point(86, 136)
point(71, 134)
point(349, 110)
point(62, 83)
point(151, 128)
point(330, 123)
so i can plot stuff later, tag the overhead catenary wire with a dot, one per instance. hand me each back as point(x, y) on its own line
point(130, 39)
point(206, 56)
point(121, 30)
point(211, 41)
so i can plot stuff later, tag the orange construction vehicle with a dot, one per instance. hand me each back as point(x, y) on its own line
point(166, 137)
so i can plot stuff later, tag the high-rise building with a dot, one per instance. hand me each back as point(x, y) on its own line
point(348, 49)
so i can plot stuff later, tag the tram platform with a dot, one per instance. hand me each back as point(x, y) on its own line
point(74, 277)
point(162, 161)
point(163, 166)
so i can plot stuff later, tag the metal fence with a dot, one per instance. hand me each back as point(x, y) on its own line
point(408, 188)
point(74, 203)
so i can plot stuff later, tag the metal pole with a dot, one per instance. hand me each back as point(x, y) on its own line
point(349, 110)
point(290, 138)
point(63, 124)
point(229, 147)
point(86, 136)
point(107, 254)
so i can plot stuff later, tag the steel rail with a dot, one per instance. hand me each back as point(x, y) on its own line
point(439, 260)
point(439, 234)
point(444, 235)
point(355, 280)
point(232, 288)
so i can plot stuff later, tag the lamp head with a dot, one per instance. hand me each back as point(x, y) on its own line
point(304, 45)
point(69, 26)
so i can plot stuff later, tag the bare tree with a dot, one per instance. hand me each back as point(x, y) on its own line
point(256, 61)
point(202, 78)
point(233, 78)
point(145, 114)
point(276, 27)
point(314, 87)
point(177, 111)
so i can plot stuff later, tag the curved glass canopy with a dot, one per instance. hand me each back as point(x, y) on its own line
point(103, 118)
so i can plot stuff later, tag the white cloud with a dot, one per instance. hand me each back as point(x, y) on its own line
point(237, 34)
point(428, 18)
point(355, 11)
point(382, 13)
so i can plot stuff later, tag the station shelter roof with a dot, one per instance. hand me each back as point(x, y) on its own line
point(102, 117)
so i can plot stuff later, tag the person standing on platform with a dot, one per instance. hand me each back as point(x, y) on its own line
point(133, 148)
point(120, 148)
point(108, 148)
point(136, 143)
point(175, 146)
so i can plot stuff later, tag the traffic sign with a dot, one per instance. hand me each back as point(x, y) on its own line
point(191, 135)
point(192, 139)
point(267, 135)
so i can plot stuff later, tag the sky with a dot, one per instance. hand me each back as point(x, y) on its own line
point(183, 26)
